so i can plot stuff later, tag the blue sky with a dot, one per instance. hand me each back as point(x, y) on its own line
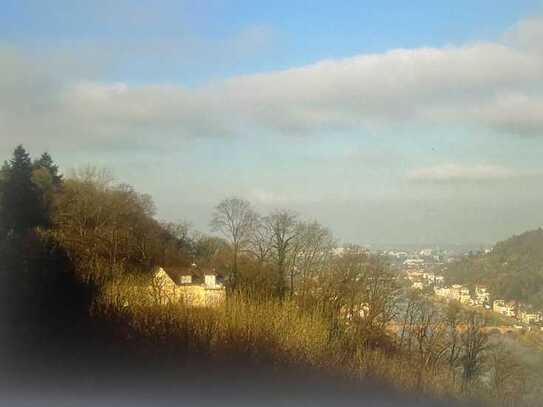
point(389, 121)
point(294, 33)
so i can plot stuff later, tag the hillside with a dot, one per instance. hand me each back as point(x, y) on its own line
point(84, 310)
point(513, 270)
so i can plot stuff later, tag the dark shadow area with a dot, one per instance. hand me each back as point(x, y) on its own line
point(54, 354)
point(88, 369)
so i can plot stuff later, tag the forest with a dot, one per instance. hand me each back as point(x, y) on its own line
point(74, 245)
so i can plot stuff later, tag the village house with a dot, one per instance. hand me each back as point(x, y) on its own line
point(425, 252)
point(482, 296)
point(415, 275)
point(512, 309)
point(418, 285)
point(429, 277)
point(529, 317)
point(198, 288)
point(444, 292)
point(455, 292)
point(413, 262)
point(358, 311)
point(460, 294)
point(505, 308)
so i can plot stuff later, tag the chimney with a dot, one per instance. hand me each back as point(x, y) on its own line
point(210, 280)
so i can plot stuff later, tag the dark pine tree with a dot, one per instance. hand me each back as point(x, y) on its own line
point(20, 204)
point(4, 174)
point(46, 178)
point(46, 162)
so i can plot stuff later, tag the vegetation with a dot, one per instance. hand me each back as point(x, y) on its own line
point(84, 247)
point(513, 270)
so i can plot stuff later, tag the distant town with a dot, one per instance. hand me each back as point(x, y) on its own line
point(426, 270)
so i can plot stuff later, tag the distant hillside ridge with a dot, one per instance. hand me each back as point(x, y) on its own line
point(513, 270)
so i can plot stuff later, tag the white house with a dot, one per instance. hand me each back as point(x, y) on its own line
point(482, 296)
point(529, 317)
point(505, 308)
point(419, 285)
point(444, 292)
point(439, 280)
point(460, 293)
point(171, 285)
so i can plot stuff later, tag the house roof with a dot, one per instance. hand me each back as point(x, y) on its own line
point(197, 274)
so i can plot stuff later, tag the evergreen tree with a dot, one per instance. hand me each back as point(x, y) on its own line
point(47, 179)
point(20, 204)
point(46, 162)
point(4, 173)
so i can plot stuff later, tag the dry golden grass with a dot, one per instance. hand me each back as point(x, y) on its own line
point(266, 328)
point(270, 331)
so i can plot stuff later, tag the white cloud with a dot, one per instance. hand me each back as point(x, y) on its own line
point(494, 85)
point(458, 172)
point(383, 88)
point(514, 113)
point(527, 34)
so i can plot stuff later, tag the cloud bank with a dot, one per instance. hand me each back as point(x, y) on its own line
point(493, 85)
point(457, 172)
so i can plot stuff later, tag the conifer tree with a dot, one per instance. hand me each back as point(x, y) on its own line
point(46, 162)
point(20, 206)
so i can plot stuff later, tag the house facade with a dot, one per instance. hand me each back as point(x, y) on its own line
point(482, 296)
point(505, 308)
point(170, 286)
point(460, 294)
point(455, 292)
point(529, 317)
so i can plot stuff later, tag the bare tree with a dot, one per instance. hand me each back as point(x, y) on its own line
point(381, 298)
point(312, 250)
point(235, 219)
point(341, 289)
point(474, 343)
point(105, 229)
point(429, 333)
point(282, 225)
point(508, 376)
point(181, 230)
point(260, 241)
point(453, 318)
point(408, 321)
point(358, 291)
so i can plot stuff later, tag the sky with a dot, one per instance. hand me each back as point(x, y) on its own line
point(390, 122)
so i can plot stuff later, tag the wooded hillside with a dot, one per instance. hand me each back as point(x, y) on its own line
point(513, 270)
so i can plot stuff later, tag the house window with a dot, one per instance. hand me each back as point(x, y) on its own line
point(186, 279)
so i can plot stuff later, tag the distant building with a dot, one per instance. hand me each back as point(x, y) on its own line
point(172, 285)
point(482, 296)
point(398, 255)
point(359, 311)
point(419, 285)
point(505, 308)
point(455, 292)
point(529, 317)
point(429, 277)
point(413, 262)
point(444, 292)
point(415, 275)
point(460, 294)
